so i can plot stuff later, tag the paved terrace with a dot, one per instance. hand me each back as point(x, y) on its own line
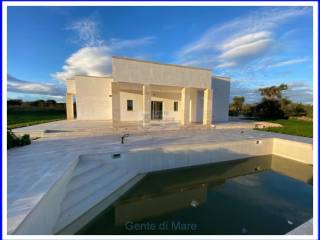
point(101, 128)
point(33, 169)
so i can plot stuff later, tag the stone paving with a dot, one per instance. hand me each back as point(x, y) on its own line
point(33, 169)
point(304, 229)
point(74, 128)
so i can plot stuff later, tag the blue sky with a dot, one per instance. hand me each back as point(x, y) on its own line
point(255, 46)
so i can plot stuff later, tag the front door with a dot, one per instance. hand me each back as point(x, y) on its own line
point(156, 110)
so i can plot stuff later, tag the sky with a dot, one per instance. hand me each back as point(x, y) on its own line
point(255, 46)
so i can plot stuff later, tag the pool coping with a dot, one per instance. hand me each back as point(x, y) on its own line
point(283, 137)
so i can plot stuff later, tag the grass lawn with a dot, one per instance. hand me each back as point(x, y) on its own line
point(292, 127)
point(25, 118)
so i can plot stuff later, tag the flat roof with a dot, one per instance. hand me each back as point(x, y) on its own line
point(221, 77)
point(105, 76)
point(159, 63)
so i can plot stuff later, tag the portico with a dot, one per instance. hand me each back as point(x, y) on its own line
point(152, 102)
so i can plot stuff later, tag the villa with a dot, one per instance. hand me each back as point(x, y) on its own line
point(80, 177)
point(110, 147)
point(143, 91)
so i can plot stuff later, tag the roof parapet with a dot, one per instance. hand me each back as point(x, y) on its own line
point(159, 63)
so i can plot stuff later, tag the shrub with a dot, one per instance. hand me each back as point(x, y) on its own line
point(309, 110)
point(270, 108)
point(249, 110)
point(25, 140)
point(233, 112)
point(14, 141)
point(14, 102)
point(299, 110)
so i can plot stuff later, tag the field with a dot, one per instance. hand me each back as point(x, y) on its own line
point(26, 117)
point(292, 127)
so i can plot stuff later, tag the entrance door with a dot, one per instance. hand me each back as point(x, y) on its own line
point(156, 110)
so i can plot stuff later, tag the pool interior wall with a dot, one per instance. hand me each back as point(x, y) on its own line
point(61, 216)
point(258, 195)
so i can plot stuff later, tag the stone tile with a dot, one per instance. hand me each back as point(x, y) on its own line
point(32, 170)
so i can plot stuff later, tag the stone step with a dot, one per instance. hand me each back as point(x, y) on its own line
point(85, 165)
point(74, 212)
point(77, 195)
point(88, 176)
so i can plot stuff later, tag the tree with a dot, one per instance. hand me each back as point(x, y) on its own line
point(38, 103)
point(275, 105)
point(273, 92)
point(299, 110)
point(249, 110)
point(287, 107)
point(14, 102)
point(272, 104)
point(309, 110)
point(269, 108)
point(51, 102)
point(237, 105)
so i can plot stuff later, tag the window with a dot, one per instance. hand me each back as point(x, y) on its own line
point(129, 105)
point(175, 106)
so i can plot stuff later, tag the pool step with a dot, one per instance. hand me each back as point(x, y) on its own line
point(92, 181)
point(76, 195)
point(85, 165)
point(81, 180)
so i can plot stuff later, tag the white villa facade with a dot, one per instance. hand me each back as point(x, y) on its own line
point(141, 91)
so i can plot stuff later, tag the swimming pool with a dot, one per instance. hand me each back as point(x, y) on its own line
point(257, 195)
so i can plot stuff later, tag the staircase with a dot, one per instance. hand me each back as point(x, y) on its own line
point(92, 181)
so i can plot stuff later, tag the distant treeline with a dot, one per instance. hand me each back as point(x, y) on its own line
point(18, 104)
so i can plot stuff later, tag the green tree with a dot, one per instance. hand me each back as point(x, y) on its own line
point(237, 105)
point(14, 102)
point(287, 107)
point(273, 92)
point(51, 102)
point(299, 110)
point(270, 108)
point(249, 110)
point(38, 103)
point(273, 102)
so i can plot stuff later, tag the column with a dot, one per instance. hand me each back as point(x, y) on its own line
point(115, 88)
point(146, 104)
point(185, 106)
point(69, 106)
point(207, 107)
point(193, 105)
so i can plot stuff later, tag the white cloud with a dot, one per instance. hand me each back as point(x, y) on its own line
point(300, 92)
point(249, 46)
point(226, 64)
point(240, 40)
point(251, 94)
point(21, 86)
point(245, 39)
point(94, 61)
point(246, 49)
point(32, 97)
point(95, 57)
point(289, 62)
point(87, 32)
point(117, 44)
